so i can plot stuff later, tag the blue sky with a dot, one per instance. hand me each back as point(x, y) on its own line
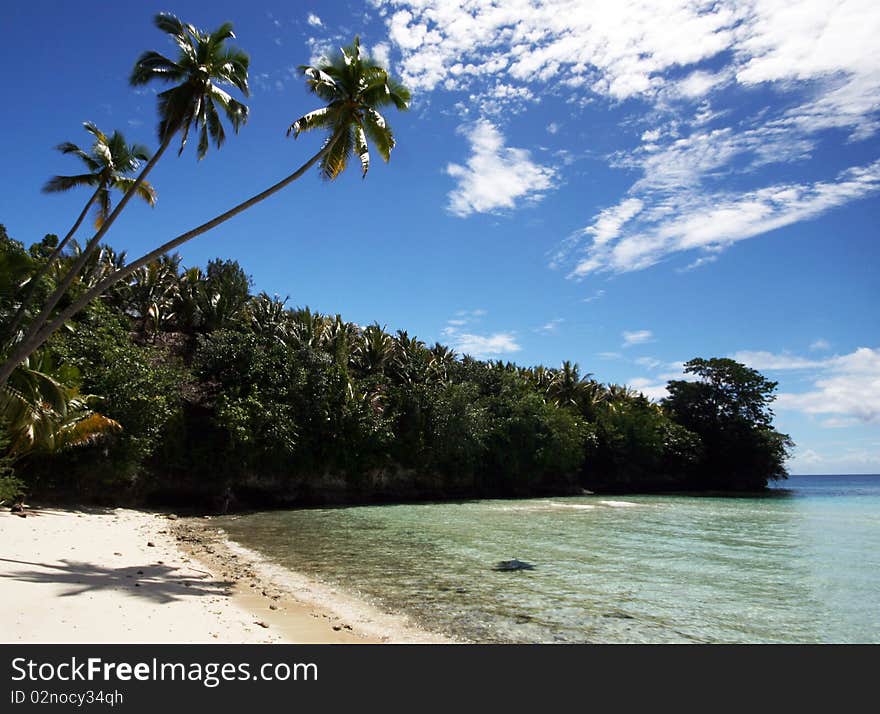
point(622, 185)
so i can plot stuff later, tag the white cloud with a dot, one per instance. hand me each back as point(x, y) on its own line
point(637, 337)
point(816, 58)
point(552, 127)
point(849, 387)
point(314, 20)
point(649, 362)
point(629, 48)
point(461, 335)
point(381, 52)
point(820, 345)
point(691, 220)
point(495, 176)
point(551, 327)
point(608, 224)
point(652, 390)
point(769, 361)
point(617, 49)
point(812, 461)
point(482, 346)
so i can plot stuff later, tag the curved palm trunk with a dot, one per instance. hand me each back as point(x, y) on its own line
point(22, 350)
point(35, 281)
point(35, 341)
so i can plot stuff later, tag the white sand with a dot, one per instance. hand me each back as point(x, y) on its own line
point(93, 576)
point(69, 576)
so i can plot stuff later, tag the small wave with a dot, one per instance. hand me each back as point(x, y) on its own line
point(573, 506)
point(543, 506)
point(619, 504)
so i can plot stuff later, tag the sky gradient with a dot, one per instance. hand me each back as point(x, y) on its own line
point(626, 185)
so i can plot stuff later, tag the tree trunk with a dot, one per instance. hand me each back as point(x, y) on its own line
point(34, 341)
point(89, 249)
point(35, 281)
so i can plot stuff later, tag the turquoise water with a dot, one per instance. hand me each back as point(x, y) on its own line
point(800, 565)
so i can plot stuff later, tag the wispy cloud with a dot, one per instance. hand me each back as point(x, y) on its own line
point(495, 176)
point(551, 327)
point(482, 346)
point(460, 333)
point(690, 69)
point(637, 337)
point(314, 20)
point(694, 220)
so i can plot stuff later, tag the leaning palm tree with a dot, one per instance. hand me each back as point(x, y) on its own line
point(354, 87)
point(204, 62)
point(108, 164)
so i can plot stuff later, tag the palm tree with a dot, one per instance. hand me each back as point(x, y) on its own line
point(40, 412)
point(204, 61)
point(109, 162)
point(373, 351)
point(353, 86)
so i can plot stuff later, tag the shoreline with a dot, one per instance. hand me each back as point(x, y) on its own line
point(278, 591)
point(95, 575)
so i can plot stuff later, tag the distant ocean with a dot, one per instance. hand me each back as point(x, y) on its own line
point(800, 564)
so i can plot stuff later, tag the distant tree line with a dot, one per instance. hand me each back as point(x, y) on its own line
point(208, 393)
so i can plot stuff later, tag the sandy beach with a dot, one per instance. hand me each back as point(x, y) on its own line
point(127, 576)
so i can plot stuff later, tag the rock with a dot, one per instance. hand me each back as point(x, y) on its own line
point(510, 565)
point(150, 544)
point(261, 624)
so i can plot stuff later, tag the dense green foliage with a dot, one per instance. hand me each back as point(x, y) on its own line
point(222, 394)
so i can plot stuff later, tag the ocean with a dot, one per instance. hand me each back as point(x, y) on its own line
point(800, 564)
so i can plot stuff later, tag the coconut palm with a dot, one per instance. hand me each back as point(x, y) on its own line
point(109, 162)
point(204, 62)
point(354, 88)
point(40, 412)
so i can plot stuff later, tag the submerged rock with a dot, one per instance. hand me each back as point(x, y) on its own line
point(509, 565)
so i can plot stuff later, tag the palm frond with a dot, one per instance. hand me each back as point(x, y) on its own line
point(152, 65)
point(360, 142)
point(57, 184)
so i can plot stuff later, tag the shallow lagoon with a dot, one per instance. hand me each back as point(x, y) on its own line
point(799, 565)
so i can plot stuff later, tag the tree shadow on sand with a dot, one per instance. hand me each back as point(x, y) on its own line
point(159, 583)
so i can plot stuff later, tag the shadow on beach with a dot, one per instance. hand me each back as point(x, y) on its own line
point(158, 583)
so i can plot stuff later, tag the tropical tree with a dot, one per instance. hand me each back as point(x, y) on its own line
point(109, 162)
point(40, 412)
point(354, 87)
point(728, 406)
point(204, 62)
